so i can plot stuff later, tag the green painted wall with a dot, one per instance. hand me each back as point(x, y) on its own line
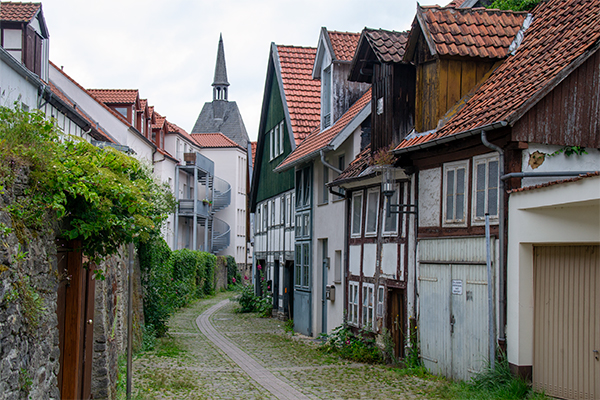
point(272, 183)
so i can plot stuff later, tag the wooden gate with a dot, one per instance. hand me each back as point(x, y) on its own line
point(566, 361)
point(396, 320)
point(453, 296)
point(75, 311)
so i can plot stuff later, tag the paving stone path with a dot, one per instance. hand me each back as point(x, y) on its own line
point(214, 352)
point(278, 388)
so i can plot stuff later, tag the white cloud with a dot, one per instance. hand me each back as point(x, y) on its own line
point(167, 49)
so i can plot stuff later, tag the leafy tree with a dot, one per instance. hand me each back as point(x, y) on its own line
point(515, 5)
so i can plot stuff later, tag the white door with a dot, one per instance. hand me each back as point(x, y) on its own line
point(453, 303)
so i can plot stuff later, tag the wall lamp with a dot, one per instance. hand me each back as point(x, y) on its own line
point(387, 188)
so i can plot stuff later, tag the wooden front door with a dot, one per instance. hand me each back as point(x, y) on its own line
point(75, 311)
point(396, 320)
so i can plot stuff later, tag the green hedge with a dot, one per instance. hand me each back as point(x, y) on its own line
point(172, 279)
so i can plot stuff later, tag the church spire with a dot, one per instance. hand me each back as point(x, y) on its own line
point(220, 83)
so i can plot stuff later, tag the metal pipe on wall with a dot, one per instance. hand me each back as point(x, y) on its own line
point(501, 233)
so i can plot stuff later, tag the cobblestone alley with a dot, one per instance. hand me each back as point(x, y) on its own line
point(212, 352)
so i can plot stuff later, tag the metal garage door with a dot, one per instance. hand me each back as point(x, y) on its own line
point(453, 298)
point(567, 321)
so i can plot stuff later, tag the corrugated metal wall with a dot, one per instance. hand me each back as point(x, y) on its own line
point(453, 295)
point(567, 321)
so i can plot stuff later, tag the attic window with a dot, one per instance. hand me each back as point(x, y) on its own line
point(13, 42)
point(380, 106)
point(122, 111)
point(326, 99)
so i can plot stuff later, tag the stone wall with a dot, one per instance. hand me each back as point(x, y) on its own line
point(29, 342)
point(110, 322)
point(221, 273)
point(29, 335)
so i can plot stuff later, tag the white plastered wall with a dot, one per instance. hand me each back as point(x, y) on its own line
point(567, 213)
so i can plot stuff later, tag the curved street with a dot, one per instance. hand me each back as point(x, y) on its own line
point(213, 352)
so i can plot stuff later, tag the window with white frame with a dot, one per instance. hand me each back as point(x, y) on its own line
point(276, 141)
point(356, 214)
point(380, 297)
point(455, 199)
point(367, 305)
point(324, 189)
point(265, 216)
point(326, 102)
point(485, 188)
point(390, 222)
point(372, 212)
point(353, 303)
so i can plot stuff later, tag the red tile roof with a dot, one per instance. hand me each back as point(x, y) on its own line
point(543, 185)
point(115, 96)
point(388, 46)
point(213, 140)
point(253, 146)
point(97, 132)
point(18, 12)
point(320, 139)
point(469, 32)
point(172, 128)
point(302, 93)
point(160, 121)
point(344, 44)
point(562, 31)
point(356, 167)
point(113, 112)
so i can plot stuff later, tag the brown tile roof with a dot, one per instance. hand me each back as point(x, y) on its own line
point(388, 46)
point(115, 96)
point(18, 12)
point(302, 93)
point(143, 104)
point(561, 33)
point(253, 146)
point(320, 139)
point(344, 44)
point(159, 121)
point(213, 140)
point(543, 185)
point(468, 32)
point(356, 167)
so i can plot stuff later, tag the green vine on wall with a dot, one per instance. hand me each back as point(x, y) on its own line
point(103, 197)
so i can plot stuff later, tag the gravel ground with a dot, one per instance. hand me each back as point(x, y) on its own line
point(186, 365)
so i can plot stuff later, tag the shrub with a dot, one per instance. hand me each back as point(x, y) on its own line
point(233, 275)
point(359, 347)
point(185, 268)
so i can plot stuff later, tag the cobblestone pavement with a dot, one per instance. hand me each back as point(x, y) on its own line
point(253, 358)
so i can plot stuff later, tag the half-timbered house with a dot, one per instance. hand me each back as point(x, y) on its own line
point(508, 132)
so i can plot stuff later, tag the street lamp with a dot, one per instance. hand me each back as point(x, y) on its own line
point(387, 188)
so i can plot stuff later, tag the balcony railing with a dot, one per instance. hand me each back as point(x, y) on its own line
point(186, 207)
point(220, 235)
point(221, 194)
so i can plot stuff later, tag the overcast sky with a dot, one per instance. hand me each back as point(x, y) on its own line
point(168, 49)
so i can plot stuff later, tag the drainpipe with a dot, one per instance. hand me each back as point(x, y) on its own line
point(544, 174)
point(501, 232)
point(325, 163)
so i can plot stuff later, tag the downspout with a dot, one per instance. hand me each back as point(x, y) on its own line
point(325, 163)
point(501, 232)
point(339, 171)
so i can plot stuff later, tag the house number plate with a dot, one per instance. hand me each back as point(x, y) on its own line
point(457, 286)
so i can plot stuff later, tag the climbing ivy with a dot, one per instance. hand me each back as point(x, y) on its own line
point(102, 196)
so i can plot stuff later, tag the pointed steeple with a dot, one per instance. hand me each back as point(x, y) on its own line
point(220, 83)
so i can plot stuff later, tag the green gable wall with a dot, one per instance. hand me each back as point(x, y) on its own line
point(271, 183)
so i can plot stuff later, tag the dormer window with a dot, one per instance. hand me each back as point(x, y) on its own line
point(326, 98)
point(122, 111)
point(12, 41)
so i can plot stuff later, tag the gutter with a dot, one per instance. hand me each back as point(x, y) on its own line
point(452, 138)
